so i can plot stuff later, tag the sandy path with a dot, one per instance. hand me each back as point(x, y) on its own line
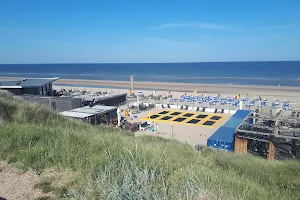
point(15, 185)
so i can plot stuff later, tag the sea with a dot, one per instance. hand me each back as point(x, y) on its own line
point(283, 73)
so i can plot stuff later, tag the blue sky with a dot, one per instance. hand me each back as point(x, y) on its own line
point(71, 31)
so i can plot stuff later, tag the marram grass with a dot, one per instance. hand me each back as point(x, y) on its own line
point(113, 164)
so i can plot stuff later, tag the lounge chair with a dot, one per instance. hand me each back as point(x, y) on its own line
point(162, 106)
point(216, 110)
point(144, 126)
point(186, 107)
point(181, 107)
point(203, 109)
point(197, 109)
point(168, 105)
point(222, 111)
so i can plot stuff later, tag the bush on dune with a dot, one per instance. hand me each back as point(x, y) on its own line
point(114, 164)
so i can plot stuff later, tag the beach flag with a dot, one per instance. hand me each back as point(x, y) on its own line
point(195, 91)
point(154, 92)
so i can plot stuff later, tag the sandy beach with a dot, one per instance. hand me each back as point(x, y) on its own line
point(181, 87)
point(177, 89)
point(191, 135)
point(186, 87)
point(187, 134)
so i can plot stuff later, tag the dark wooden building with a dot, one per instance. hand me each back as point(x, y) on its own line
point(33, 86)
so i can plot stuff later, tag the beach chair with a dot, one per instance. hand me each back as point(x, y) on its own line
point(222, 111)
point(168, 105)
point(162, 106)
point(203, 109)
point(181, 107)
point(186, 107)
point(216, 110)
point(197, 109)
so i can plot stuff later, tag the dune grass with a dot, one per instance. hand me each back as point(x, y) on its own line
point(114, 164)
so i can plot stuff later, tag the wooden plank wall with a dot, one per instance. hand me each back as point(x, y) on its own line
point(271, 154)
point(240, 145)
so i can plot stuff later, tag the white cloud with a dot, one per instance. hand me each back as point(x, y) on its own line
point(192, 25)
point(204, 25)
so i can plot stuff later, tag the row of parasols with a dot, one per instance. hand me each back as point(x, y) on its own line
point(235, 101)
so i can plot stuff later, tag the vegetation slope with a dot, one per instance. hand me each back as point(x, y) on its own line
point(114, 164)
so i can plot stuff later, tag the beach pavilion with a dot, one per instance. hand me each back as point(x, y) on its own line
point(33, 86)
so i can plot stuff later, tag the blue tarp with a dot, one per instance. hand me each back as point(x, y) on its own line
point(241, 114)
point(223, 138)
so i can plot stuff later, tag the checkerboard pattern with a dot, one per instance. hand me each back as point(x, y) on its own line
point(210, 120)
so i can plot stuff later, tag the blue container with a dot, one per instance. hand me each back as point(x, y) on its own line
point(223, 138)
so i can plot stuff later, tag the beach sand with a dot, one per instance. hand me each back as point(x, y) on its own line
point(270, 92)
point(193, 135)
point(177, 89)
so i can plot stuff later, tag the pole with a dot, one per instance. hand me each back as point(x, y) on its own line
point(49, 104)
point(137, 100)
point(119, 116)
point(156, 128)
point(172, 131)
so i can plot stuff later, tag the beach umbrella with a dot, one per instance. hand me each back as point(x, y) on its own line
point(119, 116)
point(264, 103)
point(212, 103)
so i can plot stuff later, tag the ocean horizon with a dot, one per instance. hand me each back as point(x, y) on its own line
point(272, 73)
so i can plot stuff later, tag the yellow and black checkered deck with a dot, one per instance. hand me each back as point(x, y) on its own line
point(210, 120)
